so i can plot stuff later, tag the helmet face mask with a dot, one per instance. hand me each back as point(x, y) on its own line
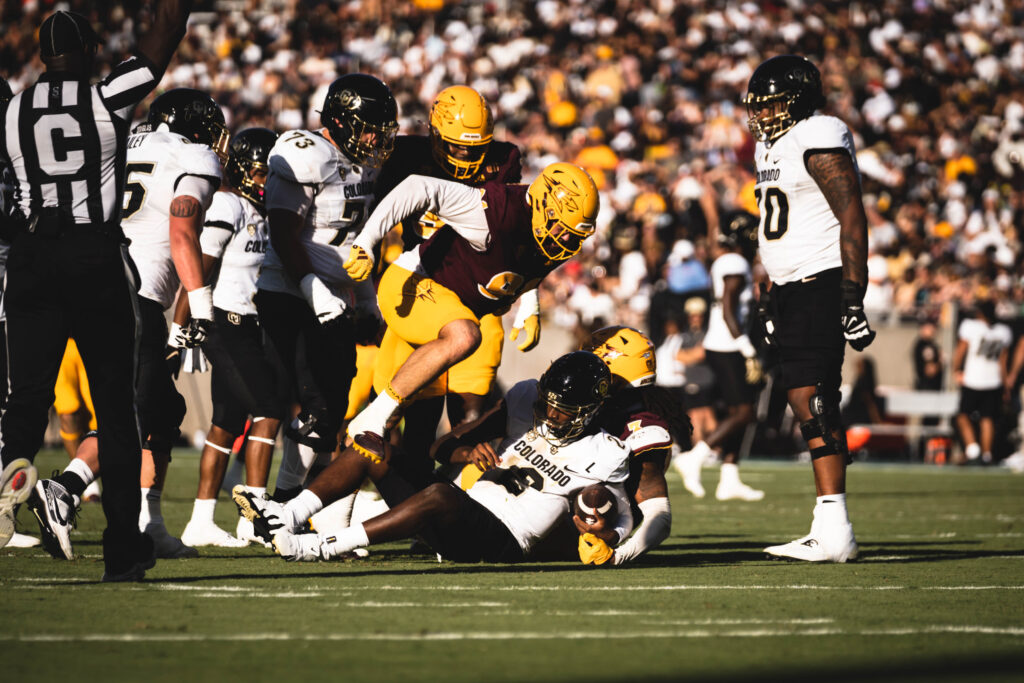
point(627, 352)
point(361, 116)
point(246, 168)
point(564, 200)
point(782, 91)
point(461, 130)
point(194, 115)
point(569, 395)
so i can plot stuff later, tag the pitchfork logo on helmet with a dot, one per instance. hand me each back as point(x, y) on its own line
point(461, 130)
point(627, 352)
point(569, 394)
point(781, 92)
point(565, 203)
point(361, 115)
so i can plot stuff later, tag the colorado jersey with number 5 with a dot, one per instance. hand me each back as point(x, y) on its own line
point(553, 472)
point(798, 235)
point(310, 177)
point(161, 166)
point(236, 233)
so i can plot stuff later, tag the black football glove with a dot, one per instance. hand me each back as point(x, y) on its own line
point(195, 333)
point(172, 356)
point(856, 329)
point(764, 314)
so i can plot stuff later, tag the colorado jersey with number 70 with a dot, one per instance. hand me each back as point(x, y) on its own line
point(798, 235)
point(310, 177)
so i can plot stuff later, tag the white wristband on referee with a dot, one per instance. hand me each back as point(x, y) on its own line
point(745, 347)
point(200, 303)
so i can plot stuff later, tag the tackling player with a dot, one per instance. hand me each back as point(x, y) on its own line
point(813, 243)
point(733, 359)
point(318, 194)
point(547, 452)
point(242, 383)
point(432, 296)
point(460, 147)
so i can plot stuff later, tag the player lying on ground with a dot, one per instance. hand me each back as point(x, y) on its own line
point(548, 452)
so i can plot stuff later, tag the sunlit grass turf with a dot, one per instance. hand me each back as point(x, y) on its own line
point(937, 595)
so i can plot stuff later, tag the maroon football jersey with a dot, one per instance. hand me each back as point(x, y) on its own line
point(490, 281)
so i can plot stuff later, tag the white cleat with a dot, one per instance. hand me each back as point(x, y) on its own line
point(244, 531)
point(22, 541)
point(299, 547)
point(197, 534)
point(166, 546)
point(56, 510)
point(264, 514)
point(688, 465)
point(17, 481)
point(737, 491)
point(818, 547)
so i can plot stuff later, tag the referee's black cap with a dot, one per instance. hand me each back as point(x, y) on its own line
point(66, 32)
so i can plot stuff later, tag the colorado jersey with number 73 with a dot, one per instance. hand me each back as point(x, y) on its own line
point(798, 235)
point(162, 165)
point(310, 177)
point(553, 472)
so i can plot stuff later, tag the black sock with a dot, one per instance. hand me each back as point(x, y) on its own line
point(72, 482)
point(284, 495)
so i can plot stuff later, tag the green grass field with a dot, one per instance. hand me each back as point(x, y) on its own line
point(938, 594)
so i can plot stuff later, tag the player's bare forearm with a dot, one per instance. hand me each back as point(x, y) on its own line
point(166, 31)
point(959, 355)
point(652, 481)
point(186, 220)
point(462, 439)
point(285, 228)
point(838, 181)
point(730, 302)
point(181, 308)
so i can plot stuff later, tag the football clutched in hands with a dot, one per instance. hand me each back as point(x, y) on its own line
point(594, 502)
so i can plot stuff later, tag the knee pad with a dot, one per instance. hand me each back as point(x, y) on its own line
point(160, 443)
point(309, 432)
point(825, 419)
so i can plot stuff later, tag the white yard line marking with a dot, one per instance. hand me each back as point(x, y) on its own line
point(508, 635)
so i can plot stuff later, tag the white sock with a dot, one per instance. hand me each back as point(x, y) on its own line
point(972, 451)
point(81, 470)
point(700, 449)
point(150, 513)
point(376, 415)
point(337, 515)
point(202, 510)
point(831, 509)
point(730, 474)
point(301, 508)
point(258, 491)
point(345, 540)
point(296, 459)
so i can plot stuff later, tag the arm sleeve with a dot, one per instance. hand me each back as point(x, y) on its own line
point(459, 205)
point(127, 85)
point(653, 530)
point(202, 188)
point(218, 227)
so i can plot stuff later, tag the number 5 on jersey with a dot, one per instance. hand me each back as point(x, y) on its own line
point(774, 207)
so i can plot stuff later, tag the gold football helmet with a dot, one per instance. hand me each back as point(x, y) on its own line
point(565, 203)
point(627, 352)
point(461, 128)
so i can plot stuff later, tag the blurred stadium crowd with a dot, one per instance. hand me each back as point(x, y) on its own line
point(644, 94)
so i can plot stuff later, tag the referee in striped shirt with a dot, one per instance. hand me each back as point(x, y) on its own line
point(68, 271)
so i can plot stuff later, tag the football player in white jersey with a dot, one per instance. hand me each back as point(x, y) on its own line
point(319, 192)
point(173, 170)
point(980, 367)
point(813, 244)
point(547, 452)
point(234, 240)
point(733, 359)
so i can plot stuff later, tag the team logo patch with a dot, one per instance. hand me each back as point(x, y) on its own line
point(251, 229)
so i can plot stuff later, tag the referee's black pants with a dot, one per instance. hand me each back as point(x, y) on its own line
point(79, 285)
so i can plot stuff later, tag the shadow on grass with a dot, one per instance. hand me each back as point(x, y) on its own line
point(980, 667)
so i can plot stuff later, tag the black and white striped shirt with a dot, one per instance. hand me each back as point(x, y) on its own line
point(65, 141)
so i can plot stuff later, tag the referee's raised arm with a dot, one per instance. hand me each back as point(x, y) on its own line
point(69, 275)
point(167, 30)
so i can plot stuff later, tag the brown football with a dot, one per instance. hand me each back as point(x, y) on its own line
point(594, 501)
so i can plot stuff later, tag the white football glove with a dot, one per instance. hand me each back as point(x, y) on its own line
point(324, 303)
